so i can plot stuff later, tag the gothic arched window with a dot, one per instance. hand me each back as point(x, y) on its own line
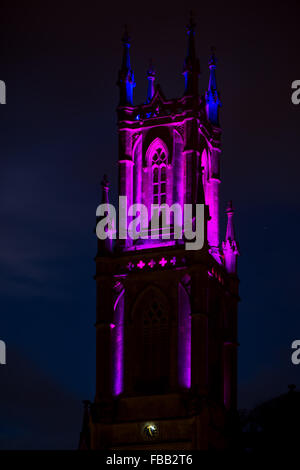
point(152, 336)
point(159, 176)
point(155, 349)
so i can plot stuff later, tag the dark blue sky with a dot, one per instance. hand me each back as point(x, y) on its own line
point(57, 138)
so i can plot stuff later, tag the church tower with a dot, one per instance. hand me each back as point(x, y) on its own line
point(166, 324)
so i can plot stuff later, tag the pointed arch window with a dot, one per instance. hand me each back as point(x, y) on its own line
point(152, 336)
point(159, 176)
point(155, 330)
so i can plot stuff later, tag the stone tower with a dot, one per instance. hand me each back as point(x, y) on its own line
point(166, 325)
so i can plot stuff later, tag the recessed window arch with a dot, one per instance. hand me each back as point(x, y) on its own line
point(152, 336)
point(159, 180)
point(157, 156)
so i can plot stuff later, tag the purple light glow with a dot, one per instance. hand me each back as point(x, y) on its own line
point(184, 338)
point(117, 340)
point(140, 264)
point(163, 262)
point(137, 181)
point(142, 165)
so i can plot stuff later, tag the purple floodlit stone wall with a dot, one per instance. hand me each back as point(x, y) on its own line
point(117, 332)
point(184, 338)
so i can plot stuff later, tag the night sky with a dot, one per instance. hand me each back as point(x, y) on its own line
point(58, 136)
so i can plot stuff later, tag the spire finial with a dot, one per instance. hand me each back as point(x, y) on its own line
point(230, 246)
point(151, 78)
point(126, 77)
point(229, 207)
point(105, 182)
point(105, 189)
point(212, 96)
point(191, 33)
point(126, 45)
point(151, 71)
point(191, 25)
point(212, 61)
point(105, 245)
point(230, 235)
point(191, 68)
point(126, 37)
